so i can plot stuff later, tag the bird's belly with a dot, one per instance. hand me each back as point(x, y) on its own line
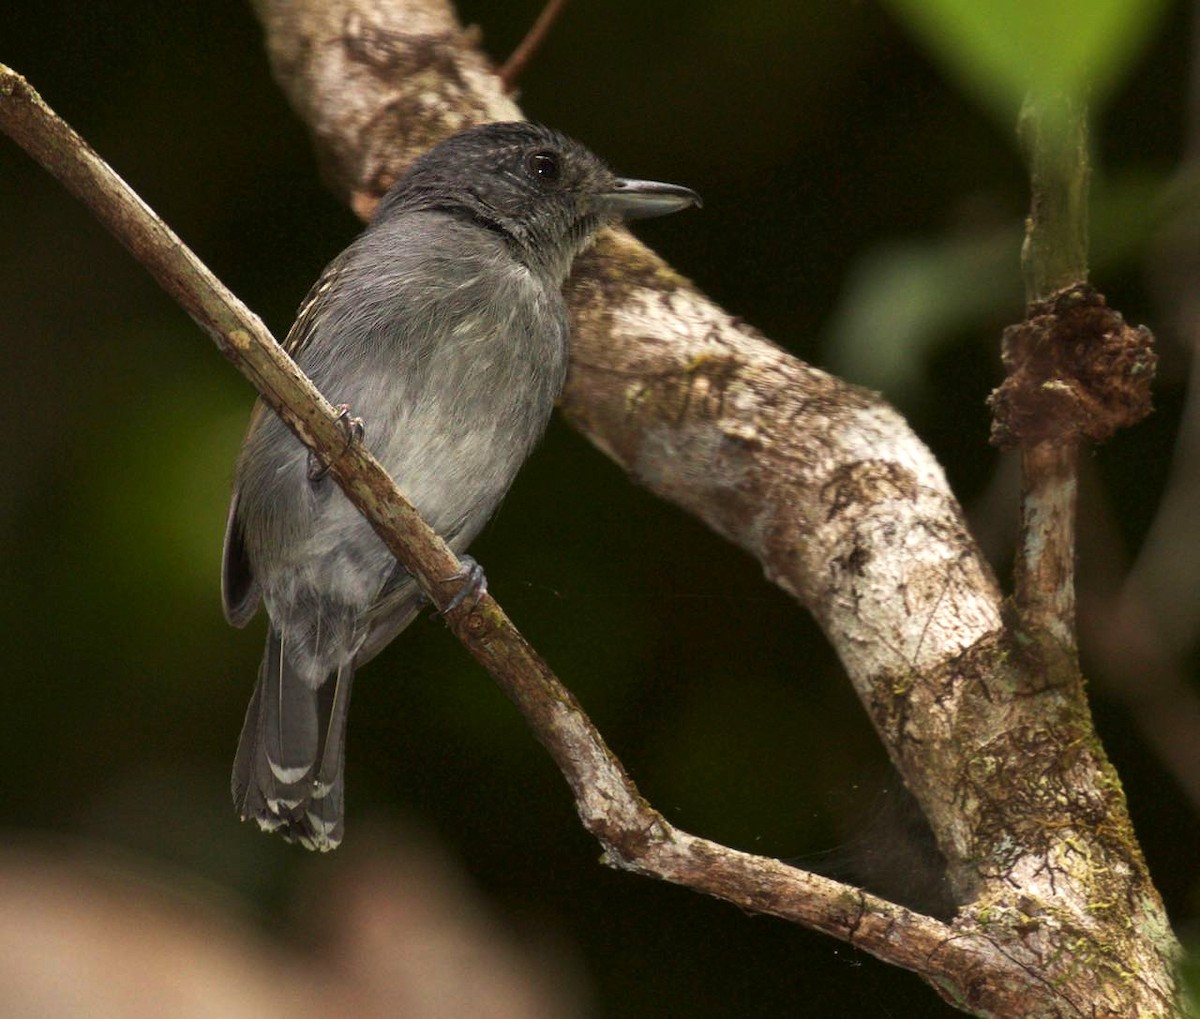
point(456, 466)
point(453, 464)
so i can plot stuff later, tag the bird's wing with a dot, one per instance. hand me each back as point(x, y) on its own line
point(239, 590)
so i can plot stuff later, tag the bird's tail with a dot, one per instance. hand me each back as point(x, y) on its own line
point(287, 774)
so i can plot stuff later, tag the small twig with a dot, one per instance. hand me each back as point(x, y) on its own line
point(515, 65)
point(1054, 257)
point(1054, 131)
point(1044, 578)
point(1076, 371)
point(634, 835)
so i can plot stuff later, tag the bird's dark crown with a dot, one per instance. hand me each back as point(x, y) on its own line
point(534, 186)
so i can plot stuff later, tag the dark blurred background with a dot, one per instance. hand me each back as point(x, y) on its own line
point(860, 209)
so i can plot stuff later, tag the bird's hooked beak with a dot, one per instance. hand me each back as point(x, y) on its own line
point(642, 199)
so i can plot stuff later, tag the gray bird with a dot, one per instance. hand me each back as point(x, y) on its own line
point(443, 326)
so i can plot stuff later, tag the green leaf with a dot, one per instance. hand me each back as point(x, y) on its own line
point(1000, 50)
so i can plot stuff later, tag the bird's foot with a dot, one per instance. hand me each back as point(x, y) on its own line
point(474, 585)
point(352, 426)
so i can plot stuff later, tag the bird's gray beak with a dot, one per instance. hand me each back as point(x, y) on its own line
point(642, 199)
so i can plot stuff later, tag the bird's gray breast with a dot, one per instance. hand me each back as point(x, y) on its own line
point(464, 357)
point(452, 352)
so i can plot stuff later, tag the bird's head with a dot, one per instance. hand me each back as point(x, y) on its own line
point(544, 192)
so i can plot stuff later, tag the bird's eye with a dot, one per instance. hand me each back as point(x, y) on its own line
point(543, 166)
